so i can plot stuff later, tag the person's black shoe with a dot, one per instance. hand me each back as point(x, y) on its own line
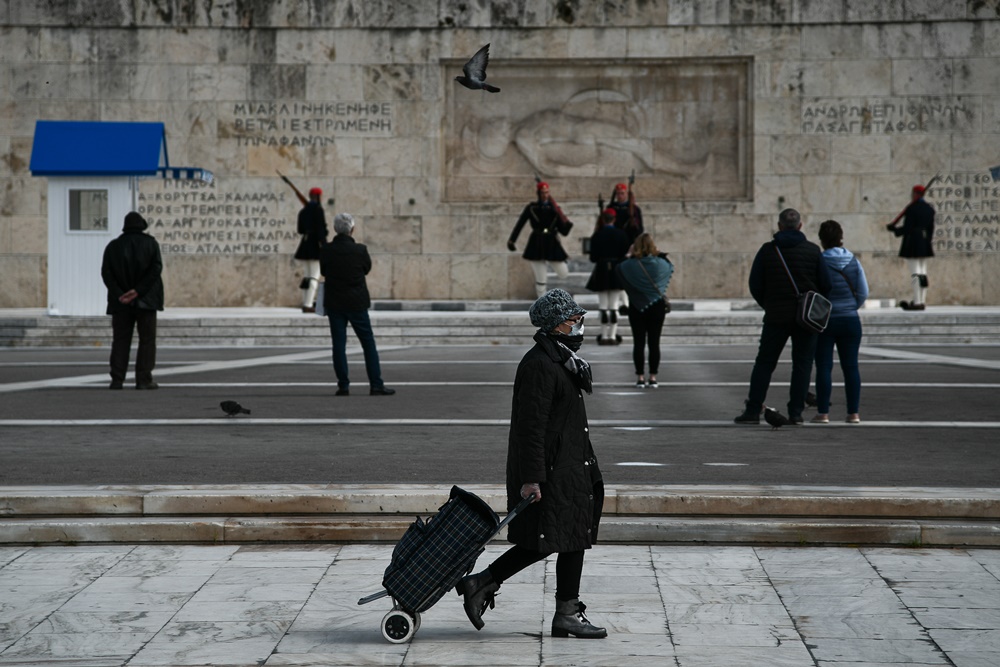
point(147, 386)
point(905, 305)
point(916, 306)
point(382, 391)
point(115, 384)
point(748, 417)
point(479, 591)
point(623, 310)
point(343, 392)
point(796, 420)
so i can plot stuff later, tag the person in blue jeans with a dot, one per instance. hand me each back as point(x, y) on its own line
point(848, 291)
point(344, 264)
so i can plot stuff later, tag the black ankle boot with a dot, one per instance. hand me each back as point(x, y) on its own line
point(479, 590)
point(569, 620)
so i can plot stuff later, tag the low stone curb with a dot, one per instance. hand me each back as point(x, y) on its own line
point(378, 513)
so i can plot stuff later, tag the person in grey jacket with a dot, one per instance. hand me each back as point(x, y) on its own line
point(848, 292)
point(131, 270)
point(549, 454)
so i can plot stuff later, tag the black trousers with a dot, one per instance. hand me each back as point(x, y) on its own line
point(569, 569)
point(123, 323)
point(647, 325)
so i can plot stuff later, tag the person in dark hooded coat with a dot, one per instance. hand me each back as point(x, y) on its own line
point(549, 454)
point(131, 269)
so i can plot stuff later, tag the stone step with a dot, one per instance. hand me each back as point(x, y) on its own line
point(372, 513)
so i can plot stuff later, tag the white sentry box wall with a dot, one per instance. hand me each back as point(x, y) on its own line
point(74, 275)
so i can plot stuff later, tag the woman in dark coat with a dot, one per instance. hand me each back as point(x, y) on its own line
point(549, 454)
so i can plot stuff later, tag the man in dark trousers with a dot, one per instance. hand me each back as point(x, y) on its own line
point(918, 234)
point(345, 263)
point(772, 289)
point(312, 226)
point(131, 271)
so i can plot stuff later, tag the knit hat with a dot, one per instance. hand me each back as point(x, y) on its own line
point(134, 221)
point(315, 191)
point(552, 309)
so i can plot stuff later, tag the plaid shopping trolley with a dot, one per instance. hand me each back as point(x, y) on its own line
point(432, 556)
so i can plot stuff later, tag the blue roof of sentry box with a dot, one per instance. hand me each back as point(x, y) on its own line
point(95, 148)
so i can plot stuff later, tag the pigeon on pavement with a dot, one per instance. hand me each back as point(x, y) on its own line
point(775, 418)
point(475, 72)
point(233, 408)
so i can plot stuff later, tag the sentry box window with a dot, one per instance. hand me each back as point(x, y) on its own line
point(88, 210)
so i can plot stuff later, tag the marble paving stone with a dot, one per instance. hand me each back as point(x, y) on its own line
point(8, 554)
point(626, 623)
point(818, 605)
point(212, 643)
point(348, 658)
point(263, 575)
point(367, 640)
point(719, 634)
point(239, 610)
point(278, 557)
point(70, 578)
point(967, 640)
point(740, 558)
point(906, 651)
point(883, 626)
point(126, 601)
point(62, 622)
point(166, 568)
point(470, 652)
point(951, 618)
point(960, 598)
point(875, 588)
point(794, 655)
point(621, 585)
point(62, 646)
point(730, 614)
point(558, 650)
point(973, 658)
point(608, 603)
point(856, 570)
point(816, 558)
point(119, 585)
point(713, 577)
point(718, 594)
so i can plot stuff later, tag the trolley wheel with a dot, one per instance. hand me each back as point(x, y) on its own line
point(398, 627)
point(416, 621)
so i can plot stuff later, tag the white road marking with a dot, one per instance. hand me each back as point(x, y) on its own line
point(596, 423)
point(640, 464)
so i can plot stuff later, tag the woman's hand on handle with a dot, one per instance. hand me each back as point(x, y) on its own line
point(529, 488)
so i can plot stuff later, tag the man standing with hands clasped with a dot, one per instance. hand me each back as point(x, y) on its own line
point(131, 271)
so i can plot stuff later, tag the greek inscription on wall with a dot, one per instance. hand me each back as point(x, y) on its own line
point(967, 215)
point(888, 115)
point(306, 123)
point(193, 218)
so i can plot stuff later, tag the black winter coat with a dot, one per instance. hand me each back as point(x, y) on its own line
point(133, 261)
point(344, 263)
point(312, 226)
point(769, 283)
point(549, 443)
point(917, 230)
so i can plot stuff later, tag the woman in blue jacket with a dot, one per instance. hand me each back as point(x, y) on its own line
point(848, 293)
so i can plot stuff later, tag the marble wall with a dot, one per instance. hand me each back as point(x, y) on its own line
point(727, 110)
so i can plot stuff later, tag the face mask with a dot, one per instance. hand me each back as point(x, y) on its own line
point(576, 329)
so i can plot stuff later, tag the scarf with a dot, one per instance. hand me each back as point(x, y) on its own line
point(565, 347)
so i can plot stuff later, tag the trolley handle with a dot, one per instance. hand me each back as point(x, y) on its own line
point(514, 512)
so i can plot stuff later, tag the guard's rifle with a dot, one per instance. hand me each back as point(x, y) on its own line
point(631, 200)
point(892, 225)
point(302, 197)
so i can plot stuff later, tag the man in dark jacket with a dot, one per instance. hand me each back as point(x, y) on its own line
point(918, 234)
point(549, 454)
point(345, 263)
point(312, 226)
point(772, 289)
point(131, 271)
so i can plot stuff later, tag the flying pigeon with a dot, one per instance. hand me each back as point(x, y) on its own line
point(775, 418)
point(233, 408)
point(475, 72)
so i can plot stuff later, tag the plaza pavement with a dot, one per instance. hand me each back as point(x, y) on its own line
point(94, 604)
